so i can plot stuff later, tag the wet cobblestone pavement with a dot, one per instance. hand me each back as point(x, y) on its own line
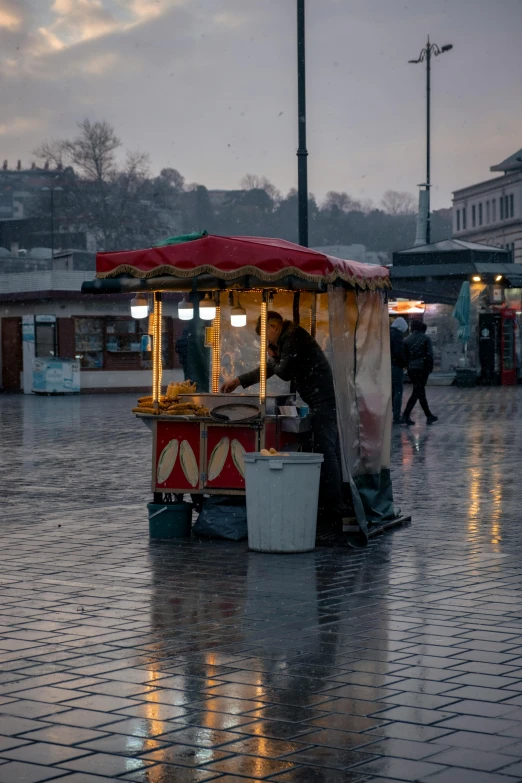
point(184, 662)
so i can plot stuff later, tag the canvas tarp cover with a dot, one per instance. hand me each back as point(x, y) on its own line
point(360, 351)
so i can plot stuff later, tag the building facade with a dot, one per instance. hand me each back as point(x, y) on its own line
point(44, 315)
point(490, 212)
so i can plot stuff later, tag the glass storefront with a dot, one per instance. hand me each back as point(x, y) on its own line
point(111, 343)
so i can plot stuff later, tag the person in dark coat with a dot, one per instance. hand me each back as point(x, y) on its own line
point(419, 362)
point(296, 356)
point(182, 345)
point(398, 362)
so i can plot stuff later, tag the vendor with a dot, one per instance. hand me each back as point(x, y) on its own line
point(296, 356)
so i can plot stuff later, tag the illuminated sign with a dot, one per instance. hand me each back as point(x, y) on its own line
point(406, 307)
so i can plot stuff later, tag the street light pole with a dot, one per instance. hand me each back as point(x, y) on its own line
point(425, 55)
point(52, 223)
point(302, 152)
point(428, 139)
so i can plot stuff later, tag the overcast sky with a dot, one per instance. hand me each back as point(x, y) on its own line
point(209, 86)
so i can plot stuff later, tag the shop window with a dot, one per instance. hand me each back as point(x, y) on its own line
point(89, 342)
point(116, 343)
point(480, 213)
point(124, 335)
point(167, 347)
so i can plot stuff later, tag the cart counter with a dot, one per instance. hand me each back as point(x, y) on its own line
point(192, 454)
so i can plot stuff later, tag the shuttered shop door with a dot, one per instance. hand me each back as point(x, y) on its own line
point(12, 362)
point(66, 339)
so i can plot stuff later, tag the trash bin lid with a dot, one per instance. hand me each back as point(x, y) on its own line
point(289, 457)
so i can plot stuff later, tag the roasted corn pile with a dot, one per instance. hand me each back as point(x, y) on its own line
point(170, 404)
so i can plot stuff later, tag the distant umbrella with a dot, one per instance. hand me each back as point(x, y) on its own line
point(462, 312)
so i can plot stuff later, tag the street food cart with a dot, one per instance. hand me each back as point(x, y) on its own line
point(196, 449)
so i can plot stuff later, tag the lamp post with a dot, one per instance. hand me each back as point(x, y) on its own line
point(302, 152)
point(425, 55)
point(51, 193)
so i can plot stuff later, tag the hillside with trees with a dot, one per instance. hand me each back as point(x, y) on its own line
point(113, 194)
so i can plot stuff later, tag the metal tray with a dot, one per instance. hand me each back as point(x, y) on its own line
point(239, 411)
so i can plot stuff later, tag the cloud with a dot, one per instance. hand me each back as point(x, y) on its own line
point(143, 10)
point(11, 14)
point(209, 87)
point(79, 20)
point(229, 19)
point(99, 64)
point(17, 126)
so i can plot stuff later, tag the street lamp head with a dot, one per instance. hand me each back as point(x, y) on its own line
point(447, 47)
point(414, 61)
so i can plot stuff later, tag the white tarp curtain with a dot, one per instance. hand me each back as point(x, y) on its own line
point(360, 345)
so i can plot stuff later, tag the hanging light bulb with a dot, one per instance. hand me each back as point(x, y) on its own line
point(238, 316)
point(140, 306)
point(185, 309)
point(207, 308)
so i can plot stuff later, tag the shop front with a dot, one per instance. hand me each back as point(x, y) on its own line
point(104, 340)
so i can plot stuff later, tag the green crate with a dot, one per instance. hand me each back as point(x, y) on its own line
point(170, 520)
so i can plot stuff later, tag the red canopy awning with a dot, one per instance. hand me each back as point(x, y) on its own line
point(229, 258)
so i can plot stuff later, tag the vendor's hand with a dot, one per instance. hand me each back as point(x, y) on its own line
point(230, 386)
point(271, 352)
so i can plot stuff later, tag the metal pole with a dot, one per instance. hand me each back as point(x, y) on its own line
point(52, 223)
point(262, 368)
point(428, 140)
point(302, 152)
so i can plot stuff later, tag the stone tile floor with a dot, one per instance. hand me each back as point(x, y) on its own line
point(182, 662)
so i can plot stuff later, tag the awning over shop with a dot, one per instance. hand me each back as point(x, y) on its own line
point(442, 282)
point(450, 251)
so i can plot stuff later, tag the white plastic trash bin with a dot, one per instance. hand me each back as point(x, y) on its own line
point(282, 494)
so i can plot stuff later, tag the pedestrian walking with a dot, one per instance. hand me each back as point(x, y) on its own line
point(418, 351)
point(398, 362)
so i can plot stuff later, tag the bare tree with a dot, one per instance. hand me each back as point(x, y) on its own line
point(341, 201)
point(174, 179)
point(52, 153)
point(93, 151)
point(396, 202)
point(255, 182)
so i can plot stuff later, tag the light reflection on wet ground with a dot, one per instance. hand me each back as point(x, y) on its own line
point(196, 661)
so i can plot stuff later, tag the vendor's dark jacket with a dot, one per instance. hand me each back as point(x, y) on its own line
point(418, 351)
point(398, 358)
point(301, 360)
